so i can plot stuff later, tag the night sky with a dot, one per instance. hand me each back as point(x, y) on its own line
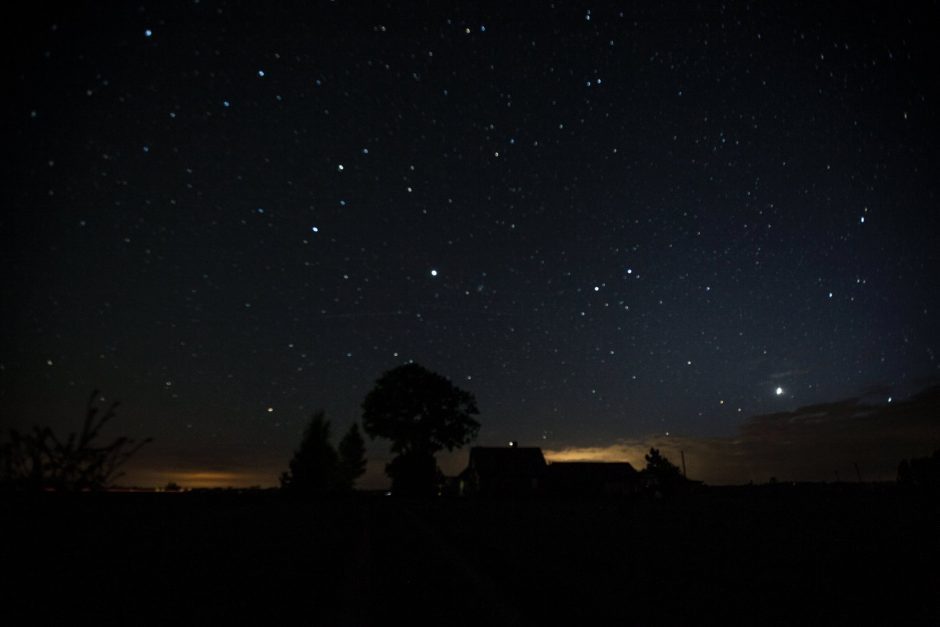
point(614, 225)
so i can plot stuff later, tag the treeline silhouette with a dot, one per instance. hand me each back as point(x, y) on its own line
point(920, 471)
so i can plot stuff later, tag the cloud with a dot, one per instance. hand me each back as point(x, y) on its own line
point(813, 443)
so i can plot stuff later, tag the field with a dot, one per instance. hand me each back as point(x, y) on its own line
point(808, 555)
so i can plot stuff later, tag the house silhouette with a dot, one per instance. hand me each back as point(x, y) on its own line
point(504, 471)
point(522, 471)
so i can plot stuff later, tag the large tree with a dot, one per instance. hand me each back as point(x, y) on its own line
point(421, 412)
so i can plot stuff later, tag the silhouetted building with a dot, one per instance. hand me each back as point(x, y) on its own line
point(593, 479)
point(498, 471)
point(522, 471)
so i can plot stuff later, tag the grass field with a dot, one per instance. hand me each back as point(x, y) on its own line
point(809, 555)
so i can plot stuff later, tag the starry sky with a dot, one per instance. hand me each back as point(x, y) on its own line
point(613, 224)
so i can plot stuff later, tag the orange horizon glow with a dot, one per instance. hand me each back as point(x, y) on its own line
point(201, 478)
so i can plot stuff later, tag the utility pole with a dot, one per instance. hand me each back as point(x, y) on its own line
point(684, 476)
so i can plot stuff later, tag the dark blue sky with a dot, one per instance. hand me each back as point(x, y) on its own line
point(607, 224)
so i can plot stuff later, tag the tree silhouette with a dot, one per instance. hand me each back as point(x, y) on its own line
point(313, 467)
point(662, 475)
point(38, 460)
point(920, 471)
point(352, 459)
point(421, 412)
point(316, 467)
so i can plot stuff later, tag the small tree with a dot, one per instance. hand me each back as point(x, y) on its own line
point(313, 467)
point(38, 460)
point(661, 474)
point(352, 458)
point(421, 412)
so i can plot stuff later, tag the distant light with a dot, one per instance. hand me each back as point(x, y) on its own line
point(433, 272)
point(270, 410)
point(49, 363)
point(315, 229)
point(226, 103)
point(830, 294)
point(148, 33)
point(261, 73)
point(596, 288)
point(513, 444)
point(862, 220)
point(890, 398)
point(779, 391)
point(340, 167)
point(629, 270)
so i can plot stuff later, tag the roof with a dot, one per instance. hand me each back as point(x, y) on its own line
point(511, 461)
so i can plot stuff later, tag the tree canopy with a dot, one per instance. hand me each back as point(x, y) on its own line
point(419, 411)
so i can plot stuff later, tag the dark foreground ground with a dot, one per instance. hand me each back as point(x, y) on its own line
point(809, 556)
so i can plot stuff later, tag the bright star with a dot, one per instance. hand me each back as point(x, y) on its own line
point(433, 272)
point(779, 391)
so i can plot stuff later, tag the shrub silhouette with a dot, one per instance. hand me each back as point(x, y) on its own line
point(39, 460)
point(421, 412)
